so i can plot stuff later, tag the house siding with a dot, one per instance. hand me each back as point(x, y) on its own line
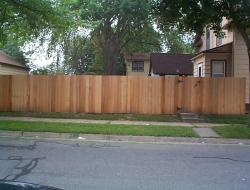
point(206, 63)
point(203, 38)
point(237, 61)
point(228, 38)
point(219, 56)
point(241, 62)
point(11, 70)
point(131, 73)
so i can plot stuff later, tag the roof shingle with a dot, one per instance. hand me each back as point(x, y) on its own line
point(171, 64)
point(6, 59)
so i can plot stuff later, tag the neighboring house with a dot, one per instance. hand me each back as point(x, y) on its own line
point(222, 57)
point(170, 64)
point(137, 64)
point(9, 66)
point(145, 64)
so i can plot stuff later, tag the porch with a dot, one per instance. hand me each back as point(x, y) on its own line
point(216, 62)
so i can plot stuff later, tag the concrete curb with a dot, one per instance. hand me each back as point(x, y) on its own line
point(119, 122)
point(117, 138)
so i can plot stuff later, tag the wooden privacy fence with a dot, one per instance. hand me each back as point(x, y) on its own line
point(122, 94)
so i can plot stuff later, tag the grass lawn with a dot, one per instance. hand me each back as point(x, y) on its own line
point(233, 131)
point(98, 129)
point(131, 117)
point(227, 119)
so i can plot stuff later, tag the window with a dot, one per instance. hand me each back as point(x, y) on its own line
point(137, 66)
point(218, 68)
point(208, 38)
point(200, 73)
point(218, 41)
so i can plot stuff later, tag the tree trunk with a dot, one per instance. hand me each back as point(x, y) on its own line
point(110, 62)
point(111, 51)
point(110, 59)
point(110, 46)
point(247, 42)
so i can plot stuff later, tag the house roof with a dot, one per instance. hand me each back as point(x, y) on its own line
point(8, 60)
point(137, 57)
point(225, 48)
point(171, 64)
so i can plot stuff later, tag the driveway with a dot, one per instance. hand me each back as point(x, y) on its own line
point(76, 165)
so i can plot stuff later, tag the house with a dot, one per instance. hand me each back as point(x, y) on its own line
point(170, 64)
point(137, 64)
point(222, 56)
point(158, 64)
point(9, 66)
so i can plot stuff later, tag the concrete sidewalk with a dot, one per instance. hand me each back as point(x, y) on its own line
point(120, 122)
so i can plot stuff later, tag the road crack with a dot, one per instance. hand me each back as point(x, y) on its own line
point(221, 158)
point(23, 169)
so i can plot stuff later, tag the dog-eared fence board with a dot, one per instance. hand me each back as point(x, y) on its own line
point(5, 93)
point(20, 99)
point(122, 94)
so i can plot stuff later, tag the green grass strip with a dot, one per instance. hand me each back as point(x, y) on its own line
point(227, 119)
point(234, 131)
point(131, 117)
point(136, 130)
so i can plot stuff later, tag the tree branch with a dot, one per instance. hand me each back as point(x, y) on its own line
point(23, 5)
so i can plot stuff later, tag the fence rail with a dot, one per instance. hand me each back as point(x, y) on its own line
point(122, 94)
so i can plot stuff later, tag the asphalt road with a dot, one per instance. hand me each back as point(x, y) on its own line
point(123, 166)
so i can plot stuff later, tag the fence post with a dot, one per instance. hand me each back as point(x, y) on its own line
point(163, 95)
point(10, 93)
point(179, 94)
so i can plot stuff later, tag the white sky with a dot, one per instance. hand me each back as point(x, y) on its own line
point(39, 57)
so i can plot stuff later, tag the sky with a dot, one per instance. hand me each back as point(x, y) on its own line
point(39, 57)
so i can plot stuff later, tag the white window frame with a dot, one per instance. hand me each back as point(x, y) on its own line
point(224, 68)
point(200, 65)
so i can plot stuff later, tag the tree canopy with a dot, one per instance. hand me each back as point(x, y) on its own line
point(195, 15)
point(116, 24)
point(22, 20)
point(85, 36)
point(178, 42)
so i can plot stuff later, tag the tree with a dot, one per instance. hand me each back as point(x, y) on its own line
point(41, 71)
point(51, 69)
point(74, 54)
point(194, 15)
point(177, 42)
point(145, 39)
point(115, 23)
point(22, 20)
point(81, 57)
